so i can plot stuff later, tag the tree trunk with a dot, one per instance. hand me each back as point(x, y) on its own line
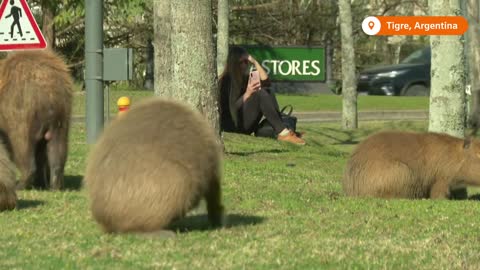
point(349, 82)
point(194, 70)
point(447, 95)
point(48, 25)
point(162, 28)
point(222, 35)
point(149, 66)
point(473, 53)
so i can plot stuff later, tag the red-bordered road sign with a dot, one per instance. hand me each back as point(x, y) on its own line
point(18, 28)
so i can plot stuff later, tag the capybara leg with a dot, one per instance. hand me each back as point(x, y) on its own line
point(41, 175)
point(8, 198)
point(28, 169)
point(458, 193)
point(440, 190)
point(214, 203)
point(57, 155)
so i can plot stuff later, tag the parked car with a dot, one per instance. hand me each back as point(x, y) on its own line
point(409, 78)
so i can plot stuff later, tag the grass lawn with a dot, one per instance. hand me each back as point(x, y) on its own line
point(286, 210)
point(301, 103)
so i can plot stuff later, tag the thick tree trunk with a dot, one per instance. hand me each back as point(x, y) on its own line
point(194, 70)
point(447, 95)
point(222, 35)
point(162, 28)
point(474, 58)
point(349, 82)
point(48, 25)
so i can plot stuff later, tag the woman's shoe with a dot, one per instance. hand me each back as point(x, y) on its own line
point(291, 137)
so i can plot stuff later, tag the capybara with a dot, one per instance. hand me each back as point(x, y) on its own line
point(152, 165)
point(412, 165)
point(8, 197)
point(35, 106)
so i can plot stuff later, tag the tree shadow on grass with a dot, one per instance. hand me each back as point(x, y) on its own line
point(474, 197)
point(24, 204)
point(350, 135)
point(249, 153)
point(200, 222)
point(73, 182)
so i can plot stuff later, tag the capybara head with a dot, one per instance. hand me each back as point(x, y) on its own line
point(470, 166)
point(151, 166)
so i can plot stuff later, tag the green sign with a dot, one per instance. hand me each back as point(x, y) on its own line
point(291, 63)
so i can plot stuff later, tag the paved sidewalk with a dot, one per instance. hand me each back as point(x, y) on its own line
point(325, 116)
point(362, 115)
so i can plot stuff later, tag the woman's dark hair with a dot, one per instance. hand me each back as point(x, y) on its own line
point(232, 80)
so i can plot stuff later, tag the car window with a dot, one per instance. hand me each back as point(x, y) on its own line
point(420, 56)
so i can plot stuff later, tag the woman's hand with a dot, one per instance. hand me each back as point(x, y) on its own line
point(252, 87)
point(261, 71)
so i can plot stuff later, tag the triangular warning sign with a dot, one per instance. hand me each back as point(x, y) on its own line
point(18, 28)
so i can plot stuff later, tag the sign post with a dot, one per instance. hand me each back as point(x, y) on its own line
point(94, 68)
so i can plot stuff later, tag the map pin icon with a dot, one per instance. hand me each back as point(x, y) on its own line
point(371, 24)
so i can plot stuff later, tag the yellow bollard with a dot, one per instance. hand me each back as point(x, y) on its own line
point(123, 104)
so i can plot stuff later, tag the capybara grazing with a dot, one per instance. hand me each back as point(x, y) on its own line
point(411, 165)
point(35, 108)
point(8, 197)
point(152, 165)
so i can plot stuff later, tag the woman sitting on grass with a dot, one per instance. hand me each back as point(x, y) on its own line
point(244, 103)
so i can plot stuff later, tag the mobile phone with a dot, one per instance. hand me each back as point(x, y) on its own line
point(254, 77)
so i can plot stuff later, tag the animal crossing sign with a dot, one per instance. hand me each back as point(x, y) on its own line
point(18, 28)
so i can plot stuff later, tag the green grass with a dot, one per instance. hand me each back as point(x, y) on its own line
point(286, 210)
point(365, 103)
point(301, 103)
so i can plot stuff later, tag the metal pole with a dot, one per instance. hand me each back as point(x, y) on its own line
point(108, 102)
point(94, 68)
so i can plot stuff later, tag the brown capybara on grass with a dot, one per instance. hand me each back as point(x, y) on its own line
point(35, 108)
point(8, 197)
point(151, 166)
point(411, 165)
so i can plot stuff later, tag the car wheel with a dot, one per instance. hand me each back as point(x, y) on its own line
point(416, 90)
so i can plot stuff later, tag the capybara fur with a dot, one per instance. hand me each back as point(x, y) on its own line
point(411, 165)
point(151, 166)
point(8, 197)
point(35, 106)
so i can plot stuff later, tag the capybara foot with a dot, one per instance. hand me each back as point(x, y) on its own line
point(458, 193)
point(216, 217)
point(8, 198)
point(22, 185)
point(56, 183)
